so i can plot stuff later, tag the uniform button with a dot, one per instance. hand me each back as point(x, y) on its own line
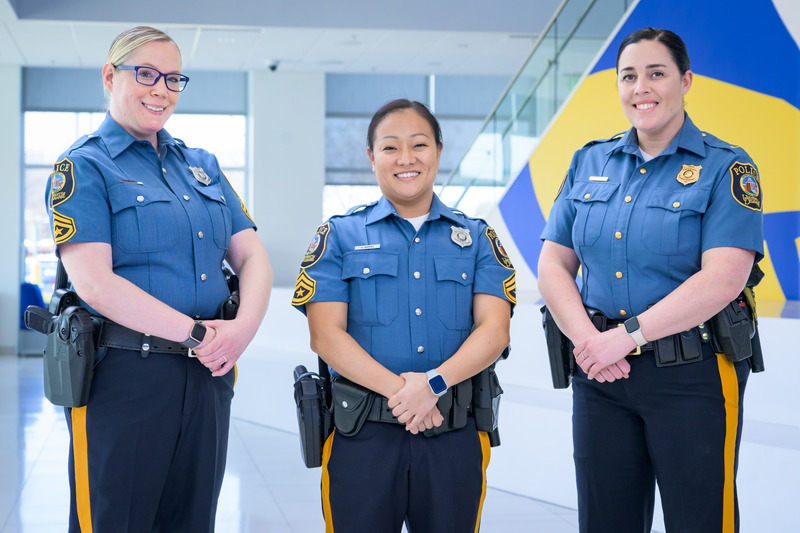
point(463, 275)
point(628, 199)
point(587, 196)
point(618, 235)
point(140, 198)
point(676, 205)
point(185, 197)
point(418, 311)
point(416, 239)
point(199, 234)
point(417, 275)
point(420, 349)
point(223, 198)
point(164, 170)
point(366, 270)
point(622, 312)
point(202, 277)
point(619, 275)
point(197, 317)
point(643, 170)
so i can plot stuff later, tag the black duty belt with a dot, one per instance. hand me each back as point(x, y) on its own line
point(112, 335)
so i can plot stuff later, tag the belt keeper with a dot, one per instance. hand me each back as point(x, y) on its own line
point(144, 351)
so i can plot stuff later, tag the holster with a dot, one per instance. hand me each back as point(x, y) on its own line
point(454, 406)
point(69, 356)
point(562, 364)
point(486, 392)
point(311, 396)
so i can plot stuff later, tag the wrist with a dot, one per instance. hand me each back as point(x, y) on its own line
point(436, 383)
point(196, 335)
point(634, 330)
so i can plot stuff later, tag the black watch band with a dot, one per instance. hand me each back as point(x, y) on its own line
point(196, 336)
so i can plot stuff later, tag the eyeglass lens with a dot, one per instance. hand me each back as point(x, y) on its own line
point(149, 76)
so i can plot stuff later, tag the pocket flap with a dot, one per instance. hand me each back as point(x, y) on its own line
point(124, 196)
point(588, 192)
point(455, 268)
point(351, 405)
point(365, 264)
point(676, 200)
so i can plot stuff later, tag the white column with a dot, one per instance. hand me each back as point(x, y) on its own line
point(11, 214)
point(287, 160)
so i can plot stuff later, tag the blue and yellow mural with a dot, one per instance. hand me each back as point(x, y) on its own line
point(746, 90)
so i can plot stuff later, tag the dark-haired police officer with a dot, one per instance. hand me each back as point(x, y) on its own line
point(409, 299)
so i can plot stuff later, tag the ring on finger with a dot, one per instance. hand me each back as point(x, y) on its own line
point(583, 356)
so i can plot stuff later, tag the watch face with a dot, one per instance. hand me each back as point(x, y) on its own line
point(438, 385)
point(198, 332)
point(632, 324)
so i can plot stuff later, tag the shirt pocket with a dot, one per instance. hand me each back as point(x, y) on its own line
point(218, 213)
point(142, 219)
point(372, 276)
point(591, 200)
point(672, 222)
point(454, 283)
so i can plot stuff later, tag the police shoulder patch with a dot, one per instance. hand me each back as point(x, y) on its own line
point(63, 227)
point(317, 246)
point(304, 289)
point(745, 185)
point(62, 182)
point(510, 288)
point(499, 252)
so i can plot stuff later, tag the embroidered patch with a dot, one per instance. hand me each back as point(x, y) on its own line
point(745, 185)
point(689, 174)
point(561, 187)
point(304, 289)
point(510, 288)
point(63, 227)
point(244, 209)
point(62, 182)
point(317, 246)
point(499, 252)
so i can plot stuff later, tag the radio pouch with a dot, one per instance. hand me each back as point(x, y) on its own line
point(351, 405)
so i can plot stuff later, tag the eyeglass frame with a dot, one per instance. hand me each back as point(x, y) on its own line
point(160, 75)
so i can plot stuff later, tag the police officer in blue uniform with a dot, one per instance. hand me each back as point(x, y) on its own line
point(142, 224)
point(407, 298)
point(665, 223)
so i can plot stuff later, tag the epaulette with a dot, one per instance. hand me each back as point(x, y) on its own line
point(716, 142)
point(598, 141)
point(356, 209)
point(81, 141)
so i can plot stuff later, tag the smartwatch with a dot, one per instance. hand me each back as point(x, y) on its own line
point(196, 336)
point(635, 330)
point(436, 382)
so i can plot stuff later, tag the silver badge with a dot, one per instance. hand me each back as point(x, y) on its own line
point(200, 175)
point(461, 236)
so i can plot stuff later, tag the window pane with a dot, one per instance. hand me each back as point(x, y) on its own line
point(222, 135)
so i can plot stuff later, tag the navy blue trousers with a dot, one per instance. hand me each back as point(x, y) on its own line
point(677, 426)
point(148, 451)
point(384, 476)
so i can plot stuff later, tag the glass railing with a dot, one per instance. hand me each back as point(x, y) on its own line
point(571, 41)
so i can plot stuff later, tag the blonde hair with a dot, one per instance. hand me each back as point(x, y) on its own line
point(131, 39)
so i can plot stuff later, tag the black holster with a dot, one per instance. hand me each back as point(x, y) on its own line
point(312, 397)
point(69, 356)
point(486, 392)
point(559, 351)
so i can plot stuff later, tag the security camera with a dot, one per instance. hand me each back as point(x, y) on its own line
point(273, 66)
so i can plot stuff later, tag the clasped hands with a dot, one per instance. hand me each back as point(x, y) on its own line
point(221, 347)
point(415, 404)
point(603, 356)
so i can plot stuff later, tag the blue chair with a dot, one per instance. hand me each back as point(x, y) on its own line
point(30, 342)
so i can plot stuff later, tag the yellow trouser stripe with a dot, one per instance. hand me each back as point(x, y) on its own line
point(730, 391)
point(326, 484)
point(487, 454)
point(81, 468)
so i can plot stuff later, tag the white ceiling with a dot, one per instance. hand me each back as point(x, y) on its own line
point(375, 43)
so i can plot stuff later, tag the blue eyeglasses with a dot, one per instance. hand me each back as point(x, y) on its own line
point(149, 76)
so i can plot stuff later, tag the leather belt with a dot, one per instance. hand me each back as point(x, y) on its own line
point(113, 335)
point(380, 411)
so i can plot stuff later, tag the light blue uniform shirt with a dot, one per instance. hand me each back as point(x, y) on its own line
point(168, 231)
point(409, 294)
point(639, 229)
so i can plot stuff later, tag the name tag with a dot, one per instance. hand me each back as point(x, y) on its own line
point(598, 178)
point(368, 247)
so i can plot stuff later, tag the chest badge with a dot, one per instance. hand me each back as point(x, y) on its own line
point(689, 174)
point(200, 175)
point(460, 236)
